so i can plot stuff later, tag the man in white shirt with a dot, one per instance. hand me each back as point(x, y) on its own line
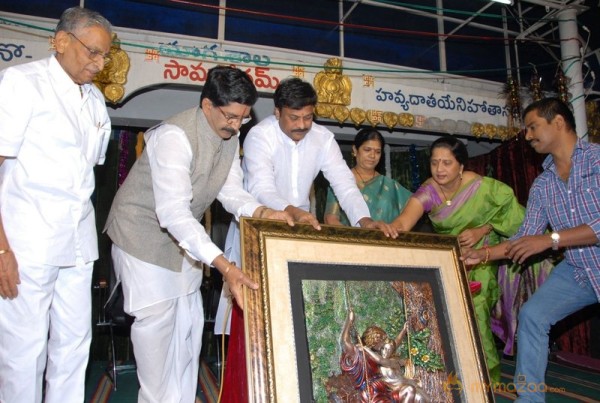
point(284, 153)
point(155, 224)
point(54, 128)
point(282, 156)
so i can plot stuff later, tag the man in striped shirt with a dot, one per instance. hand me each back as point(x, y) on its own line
point(566, 198)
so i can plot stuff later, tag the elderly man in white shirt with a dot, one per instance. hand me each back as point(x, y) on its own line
point(282, 156)
point(54, 128)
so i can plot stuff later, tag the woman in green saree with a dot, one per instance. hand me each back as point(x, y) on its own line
point(385, 197)
point(480, 211)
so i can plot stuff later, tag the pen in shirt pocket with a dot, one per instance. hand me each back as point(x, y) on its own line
point(99, 141)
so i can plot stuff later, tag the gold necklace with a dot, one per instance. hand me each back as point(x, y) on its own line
point(449, 200)
point(361, 178)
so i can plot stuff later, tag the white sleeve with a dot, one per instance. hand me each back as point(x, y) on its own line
point(260, 171)
point(233, 196)
point(170, 156)
point(15, 111)
point(342, 181)
point(104, 128)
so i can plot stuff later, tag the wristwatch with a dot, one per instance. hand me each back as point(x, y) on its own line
point(555, 239)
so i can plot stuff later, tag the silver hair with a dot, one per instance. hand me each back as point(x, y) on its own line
point(76, 18)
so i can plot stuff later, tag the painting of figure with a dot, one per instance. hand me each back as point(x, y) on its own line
point(370, 340)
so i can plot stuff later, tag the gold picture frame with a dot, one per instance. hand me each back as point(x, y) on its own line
point(310, 281)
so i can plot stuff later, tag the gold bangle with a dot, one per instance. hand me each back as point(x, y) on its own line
point(487, 254)
point(3, 251)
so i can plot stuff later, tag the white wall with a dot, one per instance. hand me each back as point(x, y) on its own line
point(149, 108)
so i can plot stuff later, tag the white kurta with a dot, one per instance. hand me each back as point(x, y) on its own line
point(167, 306)
point(52, 133)
point(56, 135)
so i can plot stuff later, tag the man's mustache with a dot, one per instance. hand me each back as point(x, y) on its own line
point(230, 130)
point(300, 131)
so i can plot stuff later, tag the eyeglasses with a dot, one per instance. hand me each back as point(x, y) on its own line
point(231, 119)
point(94, 54)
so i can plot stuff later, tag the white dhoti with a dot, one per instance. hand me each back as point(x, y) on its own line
point(233, 253)
point(168, 326)
point(49, 322)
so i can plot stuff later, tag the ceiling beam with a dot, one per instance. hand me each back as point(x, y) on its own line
point(559, 5)
point(471, 18)
point(445, 18)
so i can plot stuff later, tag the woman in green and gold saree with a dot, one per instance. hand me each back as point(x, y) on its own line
point(385, 197)
point(480, 211)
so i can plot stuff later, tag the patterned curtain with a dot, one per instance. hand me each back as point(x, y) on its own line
point(514, 162)
point(410, 167)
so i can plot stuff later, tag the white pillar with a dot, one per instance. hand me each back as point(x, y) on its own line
point(387, 152)
point(221, 26)
point(571, 63)
point(441, 39)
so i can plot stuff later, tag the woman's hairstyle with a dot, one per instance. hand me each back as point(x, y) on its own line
point(294, 93)
point(76, 18)
point(548, 108)
point(367, 134)
point(457, 147)
point(225, 85)
point(374, 336)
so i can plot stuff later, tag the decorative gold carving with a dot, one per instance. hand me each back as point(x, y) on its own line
point(324, 110)
point(111, 80)
point(514, 132)
point(477, 129)
point(358, 116)
point(334, 98)
point(390, 119)
point(490, 130)
point(406, 119)
point(333, 91)
point(341, 113)
point(374, 117)
point(503, 132)
point(331, 85)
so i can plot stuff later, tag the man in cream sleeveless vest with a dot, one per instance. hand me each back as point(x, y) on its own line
point(189, 161)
